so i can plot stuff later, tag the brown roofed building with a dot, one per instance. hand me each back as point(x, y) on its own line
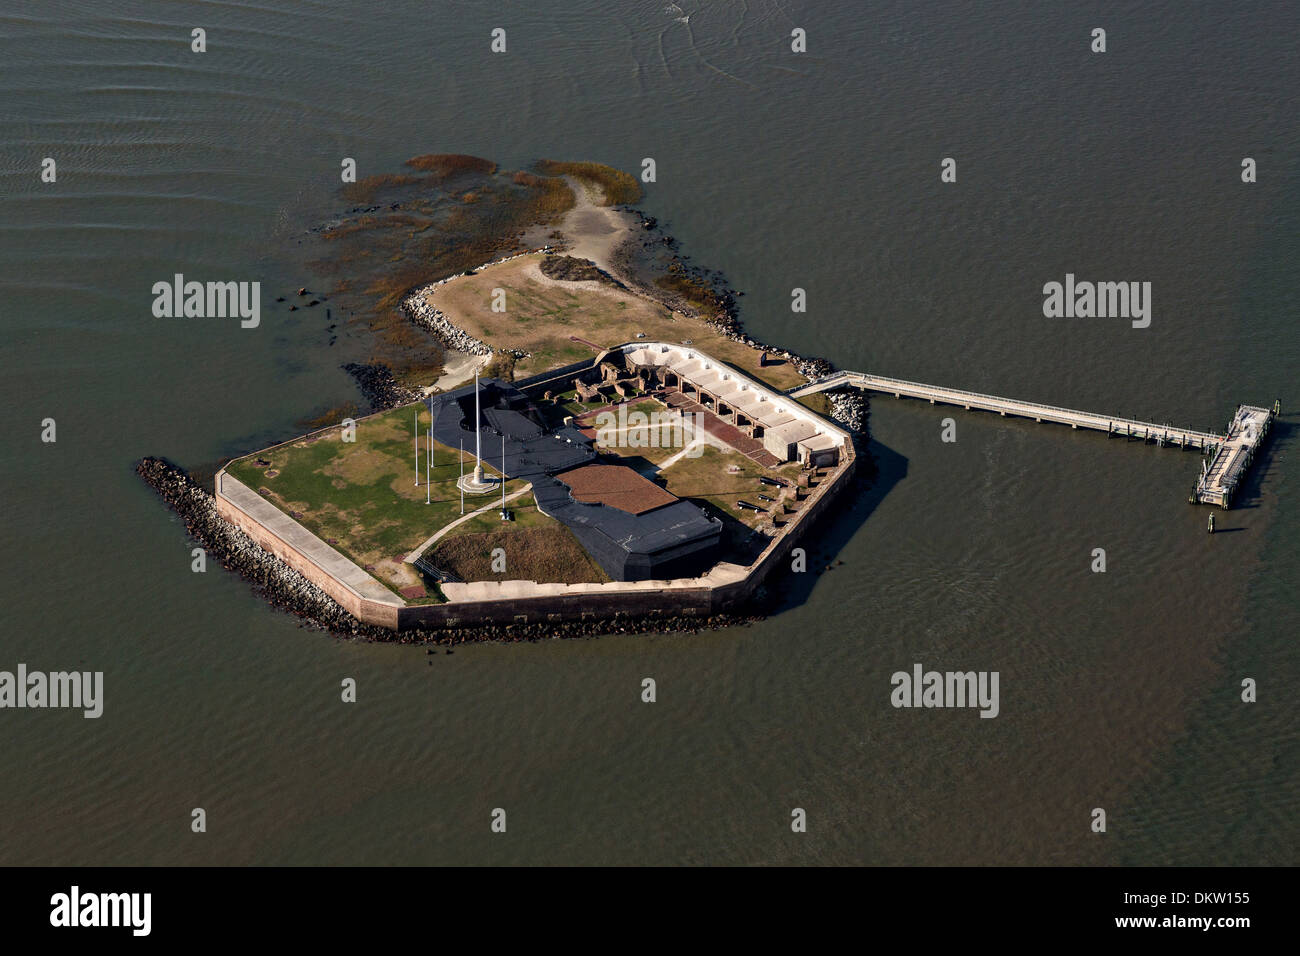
point(616, 486)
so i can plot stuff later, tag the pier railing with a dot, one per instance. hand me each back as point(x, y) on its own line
point(1008, 406)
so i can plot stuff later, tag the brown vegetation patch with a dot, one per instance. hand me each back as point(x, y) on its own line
point(619, 187)
point(693, 291)
point(572, 269)
point(548, 199)
point(365, 189)
point(502, 366)
point(445, 165)
point(330, 417)
point(547, 555)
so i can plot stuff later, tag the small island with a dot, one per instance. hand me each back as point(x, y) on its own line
point(600, 444)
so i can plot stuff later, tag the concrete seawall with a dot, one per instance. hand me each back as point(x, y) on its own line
point(271, 529)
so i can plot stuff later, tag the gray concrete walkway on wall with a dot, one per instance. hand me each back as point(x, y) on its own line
point(336, 565)
point(720, 574)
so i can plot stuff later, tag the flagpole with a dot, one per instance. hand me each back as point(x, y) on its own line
point(478, 439)
point(461, 482)
point(428, 467)
point(417, 448)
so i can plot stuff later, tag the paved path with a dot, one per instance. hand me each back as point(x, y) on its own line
point(495, 503)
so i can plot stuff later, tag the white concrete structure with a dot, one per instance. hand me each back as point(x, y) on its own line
point(476, 483)
point(787, 429)
point(1221, 476)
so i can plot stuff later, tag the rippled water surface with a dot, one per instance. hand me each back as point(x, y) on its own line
point(819, 171)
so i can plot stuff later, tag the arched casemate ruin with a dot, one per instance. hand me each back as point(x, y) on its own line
point(733, 403)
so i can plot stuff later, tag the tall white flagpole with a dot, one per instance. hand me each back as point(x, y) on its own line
point(417, 447)
point(478, 438)
point(461, 483)
point(428, 466)
point(503, 474)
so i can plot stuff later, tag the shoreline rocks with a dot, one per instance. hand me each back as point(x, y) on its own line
point(378, 386)
point(451, 336)
point(851, 407)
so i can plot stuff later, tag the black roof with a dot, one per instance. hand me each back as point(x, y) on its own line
point(535, 454)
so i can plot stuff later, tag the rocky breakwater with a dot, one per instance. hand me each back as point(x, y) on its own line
point(379, 387)
point(281, 585)
point(851, 408)
point(286, 589)
point(417, 308)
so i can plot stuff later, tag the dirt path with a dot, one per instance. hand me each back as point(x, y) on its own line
point(594, 231)
point(457, 368)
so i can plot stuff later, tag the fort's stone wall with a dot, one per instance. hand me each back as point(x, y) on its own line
point(580, 604)
point(360, 607)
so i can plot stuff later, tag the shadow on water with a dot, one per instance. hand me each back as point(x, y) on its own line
point(1265, 466)
point(832, 531)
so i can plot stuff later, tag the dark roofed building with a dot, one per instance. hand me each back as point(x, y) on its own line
point(677, 540)
point(617, 486)
point(631, 527)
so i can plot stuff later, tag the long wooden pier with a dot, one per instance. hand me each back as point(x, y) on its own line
point(1229, 455)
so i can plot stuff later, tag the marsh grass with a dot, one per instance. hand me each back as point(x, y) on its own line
point(449, 214)
point(619, 188)
point(333, 416)
point(365, 189)
point(447, 165)
point(692, 290)
point(547, 554)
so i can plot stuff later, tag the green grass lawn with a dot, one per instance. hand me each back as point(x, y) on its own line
point(706, 480)
point(640, 440)
point(361, 497)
